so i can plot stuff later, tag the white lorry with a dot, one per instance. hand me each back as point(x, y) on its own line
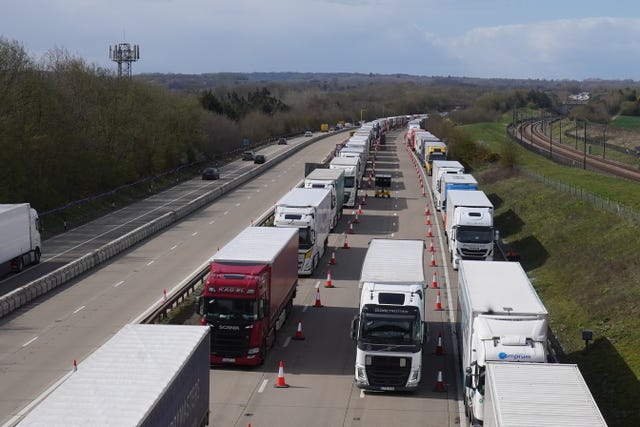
point(351, 167)
point(549, 394)
point(20, 231)
point(309, 210)
point(145, 375)
point(440, 168)
point(356, 151)
point(500, 318)
point(390, 328)
point(332, 179)
point(468, 225)
point(453, 181)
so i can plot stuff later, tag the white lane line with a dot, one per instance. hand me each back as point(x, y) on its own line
point(173, 247)
point(194, 234)
point(118, 284)
point(305, 307)
point(211, 222)
point(263, 386)
point(79, 309)
point(286, 342)
point(150, 262)
point(30, 341)
point(317, 284)
point(226, 212)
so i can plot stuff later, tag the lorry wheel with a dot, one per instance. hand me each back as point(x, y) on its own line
point(37, 254)
point(20, 263)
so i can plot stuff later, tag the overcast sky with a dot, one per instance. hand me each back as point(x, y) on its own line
point(540, 39)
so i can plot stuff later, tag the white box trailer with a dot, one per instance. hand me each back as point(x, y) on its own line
point(533, 394)
point(145, 375)
point(20, 233)
point(351, 166)
point(441, 167)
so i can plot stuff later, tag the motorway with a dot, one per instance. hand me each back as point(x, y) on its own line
point(39, 342)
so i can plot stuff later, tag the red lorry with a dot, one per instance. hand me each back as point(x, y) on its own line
point(249, 293)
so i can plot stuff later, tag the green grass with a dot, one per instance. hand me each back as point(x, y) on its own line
point(626, 122)
point(584, 263)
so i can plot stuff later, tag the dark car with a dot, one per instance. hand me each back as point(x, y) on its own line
point(259, 158)
point(211, 173)
point(282, 141)
point(248, 155)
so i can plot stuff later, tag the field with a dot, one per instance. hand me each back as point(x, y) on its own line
point(626, 122)
point(584, 264)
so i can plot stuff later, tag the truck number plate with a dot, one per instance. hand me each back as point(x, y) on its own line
point(228, 360)
point(387, 388)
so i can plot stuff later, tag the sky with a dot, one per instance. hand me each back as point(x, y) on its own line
point(530, 39)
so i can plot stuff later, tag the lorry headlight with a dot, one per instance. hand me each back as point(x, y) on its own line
point(254, 350)
point(414, 378)
point(361, 375)
point(307, 255)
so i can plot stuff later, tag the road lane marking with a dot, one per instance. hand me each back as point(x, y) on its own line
point(212, 221)
point(30, 341)
point(118, 284)
point(286, 342)
point(362, 395)
point(79, 309)
point(263, 386)
point(194, 234)
point(173, 247)
point(150, 262)
point(305, 307)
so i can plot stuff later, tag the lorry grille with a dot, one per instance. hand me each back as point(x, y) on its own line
point(473, 253)
point(386, 371)
point(226, 344)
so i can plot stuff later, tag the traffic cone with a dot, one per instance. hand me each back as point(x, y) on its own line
point(439, 382)
point(433, 259)
point(356, 220)
point(298, 336)
point(350, 231)
point(75, 365)
point(359, 211)
point(439, 350)
point(438, 303)
point(281, 383)
point(318, 303)
point(346, 242)
point(329, 284)
point(333, 261)
point(431, 248)
point(164, 296)
point(423, 193)
point(427, 212)
point(434, 282)
point(430, 232)
point(428, 220)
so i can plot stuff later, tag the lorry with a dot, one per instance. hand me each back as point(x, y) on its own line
point(249, 293)
point(144, 375)
point(20, 231)
point(549, 394)
point(333, 179)
point(309, 211)
point(356, 151)
point(468, 225)
point(453, 181)
point(434, 149)
point(500, 318)
point(390, 328)
point(441, 167)
point(351, 167)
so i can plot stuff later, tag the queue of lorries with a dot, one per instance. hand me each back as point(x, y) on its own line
point(501, 322)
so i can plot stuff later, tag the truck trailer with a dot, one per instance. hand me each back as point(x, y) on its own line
point(249, 293)
point(333, 179)
point(454, 181)
point(440, 168)
point(390, 329)
point(534, 394)
point(351, 167)
point(309, 211)
point(145, 375)
point(20, 231)
point(500, 318)
point(468, 225)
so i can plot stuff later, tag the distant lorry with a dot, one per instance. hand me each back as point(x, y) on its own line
point(309, 211)
point(249, 293)
point(356, 151)
point(351, 167)
point(440, 168)
point(502, 319)
point(20, 231)
point(145, 375)
point(468, 225)
point(324, 127)
point(453, 181)
point(549, 394)
point(433, 150)
point(332, 179)
point(390, 329)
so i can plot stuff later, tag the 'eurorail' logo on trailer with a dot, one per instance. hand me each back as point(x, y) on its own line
point(514, 356)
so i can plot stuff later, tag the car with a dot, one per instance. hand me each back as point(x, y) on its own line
point(282, 141)
point(211, 173)
point(259, 158)
point(248, 155)
point(308, 133)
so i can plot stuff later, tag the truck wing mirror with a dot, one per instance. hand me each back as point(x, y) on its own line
point(198, 305)
point(354, 327)
point(468, 380)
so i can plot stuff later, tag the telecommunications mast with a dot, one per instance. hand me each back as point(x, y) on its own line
point(124, 54)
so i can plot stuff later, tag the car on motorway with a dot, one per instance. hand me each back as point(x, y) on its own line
point(211, 173)
point(308, 133)
point(282, 141)
point(259, 159)
point(248, 155)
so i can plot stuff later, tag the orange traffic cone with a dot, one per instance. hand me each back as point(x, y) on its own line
point(423, 193)
point(439, 382)
point(281, 383)
point(346, 242)
point(350, 231)
point(75, 365)
point(318, 303)
point(434, 282)
point(431, 248)
point(298, 336)
point(438, 303)
point(356, 220)
point(428, 218)
point(430, 232)
point(433, 259)
point(329, 284)
point(333, 261)
point(439, 349)
point(427, 212)
point(359, 209)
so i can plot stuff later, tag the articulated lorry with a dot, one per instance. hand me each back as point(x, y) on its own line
point(549, 394)
point(249, 293)
point(441, 167)
point(433, 150)
point(145, 375)
point(468, 225)
point(359, 152)
point(390, 329)
point(500, 318)
point(309, 211)
point(453, 181)
point(20, 231)
point(351, 167)
point(333, 179)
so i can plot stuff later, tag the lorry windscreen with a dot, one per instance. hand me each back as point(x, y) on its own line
point(231, 308)
point(466, 234)
point(437, 155)
point(387, 328)
point(349, 181)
